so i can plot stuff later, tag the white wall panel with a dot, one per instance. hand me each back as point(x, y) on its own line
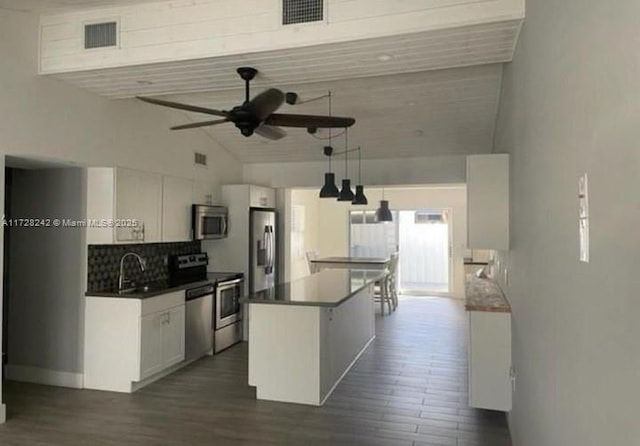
point(220, 28)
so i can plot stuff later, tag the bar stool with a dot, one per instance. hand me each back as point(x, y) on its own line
point(392, 279)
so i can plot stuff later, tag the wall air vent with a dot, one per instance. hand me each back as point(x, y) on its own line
point(201, 159)
point(302, 11)
point(101, 35)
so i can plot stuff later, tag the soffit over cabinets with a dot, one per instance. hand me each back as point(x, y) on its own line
point(63, 5)
point(468, 46)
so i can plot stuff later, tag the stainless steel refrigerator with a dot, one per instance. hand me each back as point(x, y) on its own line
point(263, 249)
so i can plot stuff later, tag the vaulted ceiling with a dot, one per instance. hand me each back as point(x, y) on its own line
point(420, 93)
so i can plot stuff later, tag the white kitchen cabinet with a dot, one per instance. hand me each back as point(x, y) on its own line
point(117, 195)
point(162, 205)
point(177, 198)
point(150, 345)
point(490, 360)
point(488, 201)
point(204, 192)
point(262, 197)
point(130, 342)
point(172, 334)
point(138, 197)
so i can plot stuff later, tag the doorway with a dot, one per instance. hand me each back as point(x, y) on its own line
point(423, 238)
point(425, 247)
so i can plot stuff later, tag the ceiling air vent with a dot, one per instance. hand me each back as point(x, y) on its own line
point(201, 159)
point(302, 11)
point(100, 35)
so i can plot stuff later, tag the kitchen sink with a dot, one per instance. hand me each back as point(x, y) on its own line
point(139, 289)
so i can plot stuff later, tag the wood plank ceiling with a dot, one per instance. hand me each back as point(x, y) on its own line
point(429, 93)
point(63, 5)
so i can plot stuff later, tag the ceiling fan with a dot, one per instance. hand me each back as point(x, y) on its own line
point(257, 115)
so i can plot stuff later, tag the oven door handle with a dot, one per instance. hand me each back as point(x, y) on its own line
point(228, 284)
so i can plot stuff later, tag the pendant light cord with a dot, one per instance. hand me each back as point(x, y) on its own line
point(359, 166)
point(329, 95)
point(346, 153)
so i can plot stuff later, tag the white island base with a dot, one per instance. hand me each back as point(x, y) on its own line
point(299, 353)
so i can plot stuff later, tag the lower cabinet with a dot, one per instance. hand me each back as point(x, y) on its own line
point(129, 340)
point(161, 340)
point(490, 384)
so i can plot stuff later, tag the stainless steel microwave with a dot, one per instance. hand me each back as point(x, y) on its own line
point(209, 222)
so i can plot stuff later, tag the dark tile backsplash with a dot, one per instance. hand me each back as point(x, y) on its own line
point(104, 262)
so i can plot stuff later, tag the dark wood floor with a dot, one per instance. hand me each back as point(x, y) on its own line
point(409, 388)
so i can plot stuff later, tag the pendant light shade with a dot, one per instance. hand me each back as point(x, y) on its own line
point(360, 198)
point(346, 194)
point(329, 190)
point(383, 213)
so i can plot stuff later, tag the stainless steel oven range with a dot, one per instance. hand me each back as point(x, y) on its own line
point(227, 317)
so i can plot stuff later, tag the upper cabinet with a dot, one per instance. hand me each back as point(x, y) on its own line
point(488, 201)
point(262, 197)
point(241, 197)
point(161, 206)
point(138, 197)
point(204, 193)
point(177, 198)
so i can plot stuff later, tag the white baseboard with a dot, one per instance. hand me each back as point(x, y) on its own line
point(3, 413)
point(48, 377)
point(347, 370)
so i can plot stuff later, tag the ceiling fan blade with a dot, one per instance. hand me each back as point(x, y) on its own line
point(199, 124)
point(265, 103)
point(286, 120)
point(179, 106)
point(270, 132)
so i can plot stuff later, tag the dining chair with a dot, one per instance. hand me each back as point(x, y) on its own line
point(392, 280)
point(381, 293)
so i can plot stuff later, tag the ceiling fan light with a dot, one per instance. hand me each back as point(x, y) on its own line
point(383, 214)
point(329, 190)
point(346, 194)
point(360, 198)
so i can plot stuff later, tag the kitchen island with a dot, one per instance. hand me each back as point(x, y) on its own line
point(305, 335)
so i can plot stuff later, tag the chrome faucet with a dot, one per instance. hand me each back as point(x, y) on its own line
point(141, 261)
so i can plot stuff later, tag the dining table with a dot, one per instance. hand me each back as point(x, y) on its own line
point(357, 263)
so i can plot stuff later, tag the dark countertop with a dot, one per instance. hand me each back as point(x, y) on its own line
point(371, 260)
point(328, 288)
point(159, 288)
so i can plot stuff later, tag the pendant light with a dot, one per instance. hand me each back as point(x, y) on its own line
point(346, 194)
point(383, 213)
point(360, 199)
point(329, 190)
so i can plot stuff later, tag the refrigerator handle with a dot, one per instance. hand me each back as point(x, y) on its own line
point(272, 251)
point(267, 248)
point(270, 255)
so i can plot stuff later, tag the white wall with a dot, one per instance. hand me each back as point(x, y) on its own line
point(398, 171)
point(171, 30)
point(570, 105)
point(333, 220)
point(48, 119)
point(308, 204)
point(46, 273)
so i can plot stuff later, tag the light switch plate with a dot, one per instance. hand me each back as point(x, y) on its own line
point(583, 217)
